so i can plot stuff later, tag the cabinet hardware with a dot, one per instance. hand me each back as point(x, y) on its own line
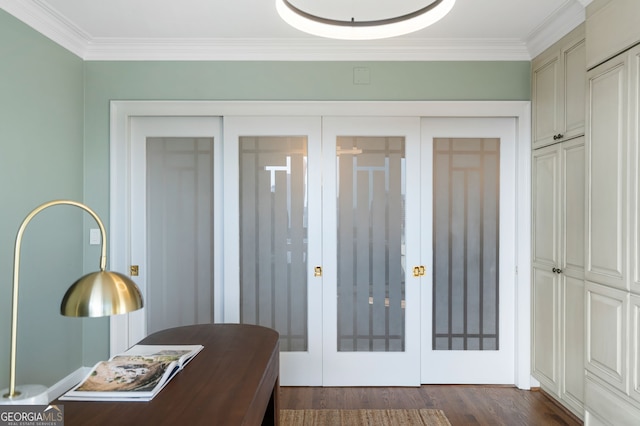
point(419, 271)
point(558, 136)
point(133, 270)
point(317, 271)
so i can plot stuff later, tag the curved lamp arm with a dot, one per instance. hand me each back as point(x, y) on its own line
point(96, 294)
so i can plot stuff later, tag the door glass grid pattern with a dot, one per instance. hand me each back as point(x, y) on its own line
point(370, 244)
point(179, 232)
point(273, 236)
point(466, 244)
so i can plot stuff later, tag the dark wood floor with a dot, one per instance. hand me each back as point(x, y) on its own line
point(463, 404)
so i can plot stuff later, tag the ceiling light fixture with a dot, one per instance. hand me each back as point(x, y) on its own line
point(354, 29)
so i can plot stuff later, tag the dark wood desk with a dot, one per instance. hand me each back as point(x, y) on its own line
point(232, 381)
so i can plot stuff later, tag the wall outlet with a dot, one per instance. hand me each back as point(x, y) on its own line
point(94, 236)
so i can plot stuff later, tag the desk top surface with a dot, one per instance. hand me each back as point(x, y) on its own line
point(229, 382)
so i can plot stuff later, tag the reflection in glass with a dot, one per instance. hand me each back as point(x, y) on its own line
point(273, 236)
point(371, 269)
point(466, 200)
point(179, 232)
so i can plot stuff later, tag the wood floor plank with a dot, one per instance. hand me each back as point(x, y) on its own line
point(464, 405)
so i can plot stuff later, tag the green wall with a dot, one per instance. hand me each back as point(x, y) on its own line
point(44, 155)
point(106, 81)
point(41, 158)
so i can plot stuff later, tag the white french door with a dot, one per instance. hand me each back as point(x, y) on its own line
point(371, 243)
point(173, 227)
point(273, 236)
point(469, 247)
point(319, 224)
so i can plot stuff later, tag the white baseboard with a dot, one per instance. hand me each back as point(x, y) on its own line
point(68, 382)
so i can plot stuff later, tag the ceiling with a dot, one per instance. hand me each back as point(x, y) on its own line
point(253, 30)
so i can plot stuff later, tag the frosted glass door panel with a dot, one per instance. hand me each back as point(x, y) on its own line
point(466, 188)
point(371, 281)
point(180, 232)
point(273, 236)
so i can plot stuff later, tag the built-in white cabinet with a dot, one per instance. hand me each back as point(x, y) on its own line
point(612, 389)
point(611, 27)
point(558, 270)
point(603, 330)
point(558, 93)
point(558, 219)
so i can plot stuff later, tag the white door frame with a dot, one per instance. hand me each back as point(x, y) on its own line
point(120, 173)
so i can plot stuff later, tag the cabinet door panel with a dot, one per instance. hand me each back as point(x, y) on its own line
point(545, 188)
point(606, 171)
point(634, 91)
point(574, 76)
point(546, 328)
point(573, 201)
point(606, 331)
point(573, 342)
point(546, 92)
point(635, 360)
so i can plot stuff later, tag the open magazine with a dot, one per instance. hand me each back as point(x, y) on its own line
point(135, 375)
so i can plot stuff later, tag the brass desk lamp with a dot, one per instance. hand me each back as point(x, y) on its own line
point(96, 294)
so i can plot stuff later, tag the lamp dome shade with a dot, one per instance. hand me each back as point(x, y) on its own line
point(101, 294)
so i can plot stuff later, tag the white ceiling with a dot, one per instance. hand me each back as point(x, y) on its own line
point(252, 30)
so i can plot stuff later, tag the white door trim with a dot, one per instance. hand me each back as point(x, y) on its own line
point(120, 172)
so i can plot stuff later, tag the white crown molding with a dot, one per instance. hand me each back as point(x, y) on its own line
point(43, 19)
point(312, 49)
point(40, 17)
point(569, 15)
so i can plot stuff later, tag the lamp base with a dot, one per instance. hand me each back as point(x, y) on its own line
point(29, 395)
